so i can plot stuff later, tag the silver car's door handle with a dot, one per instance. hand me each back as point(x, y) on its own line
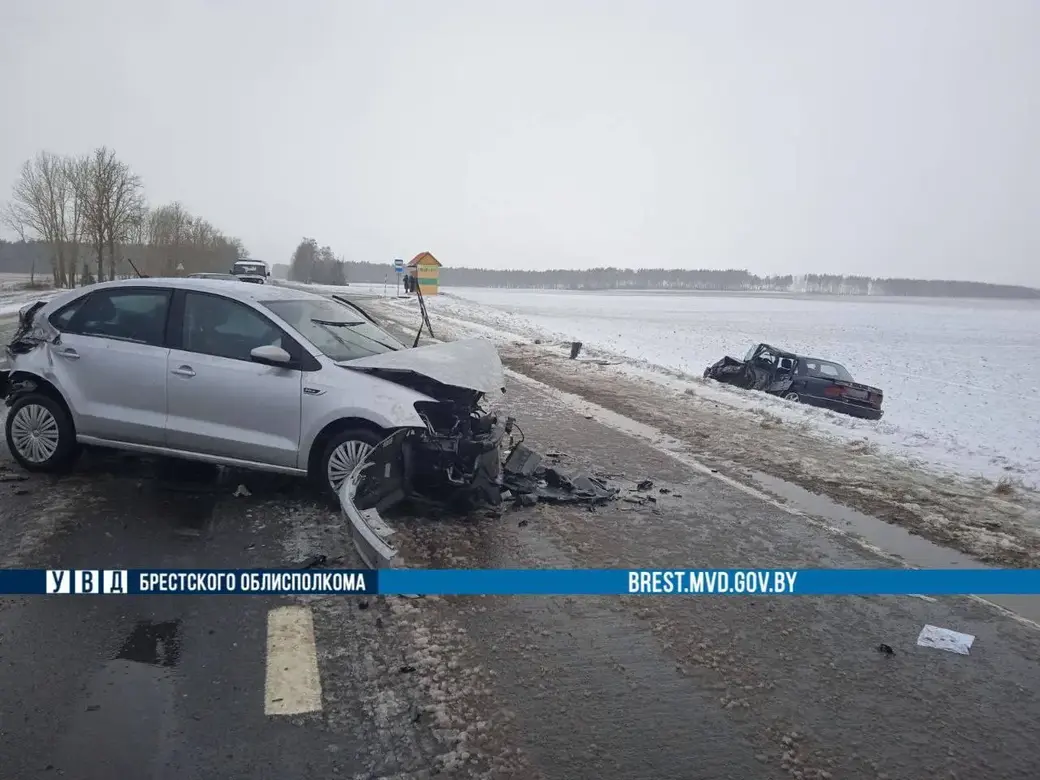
point(183, 371)
point(69, 353)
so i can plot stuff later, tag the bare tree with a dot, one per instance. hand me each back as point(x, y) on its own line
point(112, 200)
point(91, 189)
point(43, 206)
point(122, 210)
point(72, 222)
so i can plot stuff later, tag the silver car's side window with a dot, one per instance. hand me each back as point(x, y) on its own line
point(127, 315)
point(63, 317)
point(222, 327)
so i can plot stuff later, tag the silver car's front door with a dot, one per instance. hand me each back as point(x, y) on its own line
point(111, 363)
point(222, 403)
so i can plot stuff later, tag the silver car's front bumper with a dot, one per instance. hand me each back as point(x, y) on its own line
point(379, 481)
point(452, 467)
point(367, 529)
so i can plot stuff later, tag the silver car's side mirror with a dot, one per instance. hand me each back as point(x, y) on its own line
point(271, 355)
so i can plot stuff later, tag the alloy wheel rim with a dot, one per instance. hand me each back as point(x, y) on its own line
point(344, 459)
point(34, 433)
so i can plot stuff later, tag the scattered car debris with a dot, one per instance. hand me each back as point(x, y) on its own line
point(522, 460)
point(313, 562)
point(242, 492)
point(885, 649)
point(575, 349)
point(552, 485)
point(646, 484)
point(393, 471)
point(945, 639)
point(13, 477)
point(807, 380)
point(641, 499)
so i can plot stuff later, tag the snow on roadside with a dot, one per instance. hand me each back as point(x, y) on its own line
point(336, 289)
point(11, 302)
point(941, 430)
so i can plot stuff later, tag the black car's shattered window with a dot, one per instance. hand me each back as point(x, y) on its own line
point(825, 370)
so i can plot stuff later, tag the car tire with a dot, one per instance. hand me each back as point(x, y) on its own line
point(40, 434)
point(792, 397)
point(341, 454)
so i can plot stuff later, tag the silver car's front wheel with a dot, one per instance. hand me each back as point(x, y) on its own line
point(34, 433)
point(40, 433)
point(343, 460)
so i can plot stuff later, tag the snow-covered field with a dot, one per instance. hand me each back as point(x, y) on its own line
point(961, 377)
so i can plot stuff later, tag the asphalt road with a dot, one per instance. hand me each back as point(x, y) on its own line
point(198, 687)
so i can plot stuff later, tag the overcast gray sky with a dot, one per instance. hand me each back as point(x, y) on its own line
point(892, 137)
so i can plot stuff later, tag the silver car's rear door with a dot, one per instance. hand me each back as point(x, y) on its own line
point(111, 364)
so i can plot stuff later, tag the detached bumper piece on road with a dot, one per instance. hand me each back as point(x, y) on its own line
point(460, 472)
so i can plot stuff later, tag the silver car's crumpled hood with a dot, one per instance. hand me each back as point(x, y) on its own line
point(472, 364)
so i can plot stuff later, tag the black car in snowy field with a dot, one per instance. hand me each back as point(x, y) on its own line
point(807, 380)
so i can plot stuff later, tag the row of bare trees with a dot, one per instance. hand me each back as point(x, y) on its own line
point(91, 214)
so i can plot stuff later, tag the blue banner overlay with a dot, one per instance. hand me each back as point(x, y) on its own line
point(523, 582)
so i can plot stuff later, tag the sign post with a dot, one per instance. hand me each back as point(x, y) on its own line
point(399, 269)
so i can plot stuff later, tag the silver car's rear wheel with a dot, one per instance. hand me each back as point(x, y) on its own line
point(343, 460)
point(34, 433)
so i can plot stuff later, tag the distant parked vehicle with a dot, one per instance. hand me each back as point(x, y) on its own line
point(807, 380)
point(253, 271)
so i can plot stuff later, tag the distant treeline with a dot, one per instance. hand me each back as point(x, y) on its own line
point(699, 279)
point(19, 257)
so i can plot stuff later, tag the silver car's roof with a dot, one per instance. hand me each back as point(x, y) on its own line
point(258, 293)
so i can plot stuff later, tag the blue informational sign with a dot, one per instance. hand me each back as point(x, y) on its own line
point(526, 582)
point(399, 266)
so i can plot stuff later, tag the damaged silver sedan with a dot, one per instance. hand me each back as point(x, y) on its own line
point(246, 376)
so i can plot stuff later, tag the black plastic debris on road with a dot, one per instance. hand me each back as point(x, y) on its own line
point(522, 460)
point(525, 478)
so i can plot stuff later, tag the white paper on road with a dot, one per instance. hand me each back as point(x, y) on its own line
point(945, 639)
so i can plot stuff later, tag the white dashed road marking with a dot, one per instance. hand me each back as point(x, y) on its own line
point(292, 685)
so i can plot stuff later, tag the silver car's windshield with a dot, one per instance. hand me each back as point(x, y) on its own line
point(339, 331)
